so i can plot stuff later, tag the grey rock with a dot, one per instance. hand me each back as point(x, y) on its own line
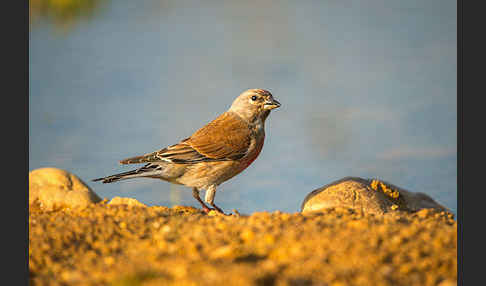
point(53, 188)
point(368, 195)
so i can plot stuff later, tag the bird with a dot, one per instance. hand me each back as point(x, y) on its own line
point(213, 154)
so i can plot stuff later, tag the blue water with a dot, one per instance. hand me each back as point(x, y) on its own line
point(368, 89)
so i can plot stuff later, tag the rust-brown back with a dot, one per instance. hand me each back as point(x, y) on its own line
point(227, 137)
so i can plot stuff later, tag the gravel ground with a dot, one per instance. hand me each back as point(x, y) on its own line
point(131, 245)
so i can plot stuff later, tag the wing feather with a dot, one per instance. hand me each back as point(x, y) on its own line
point(227, 137)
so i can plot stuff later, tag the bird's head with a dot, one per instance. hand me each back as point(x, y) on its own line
point(254, 104)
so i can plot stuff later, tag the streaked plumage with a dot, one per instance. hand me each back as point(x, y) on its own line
point(213, 154)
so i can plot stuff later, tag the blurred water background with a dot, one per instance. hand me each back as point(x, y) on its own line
point(368, 89)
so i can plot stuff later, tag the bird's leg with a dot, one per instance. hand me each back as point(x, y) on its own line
point(195, 194)
point(209, 198)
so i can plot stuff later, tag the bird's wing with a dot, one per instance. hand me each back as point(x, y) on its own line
point(178, 153)
point(227, 137)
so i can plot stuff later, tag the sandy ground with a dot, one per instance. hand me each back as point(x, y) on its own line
point(128, 245)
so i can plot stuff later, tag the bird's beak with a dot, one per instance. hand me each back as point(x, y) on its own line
point(271, 104)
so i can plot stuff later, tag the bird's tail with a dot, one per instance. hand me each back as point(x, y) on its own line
point(145, 171)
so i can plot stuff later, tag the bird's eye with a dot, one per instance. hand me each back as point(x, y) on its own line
point(254, 98)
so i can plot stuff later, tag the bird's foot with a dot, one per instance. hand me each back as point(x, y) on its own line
point(206, 210)
point(216, 208)
point(214, 211)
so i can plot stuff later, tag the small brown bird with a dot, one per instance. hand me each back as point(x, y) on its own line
point(213, 154)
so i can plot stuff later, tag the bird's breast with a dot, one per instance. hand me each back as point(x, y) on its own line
point(253, 153)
